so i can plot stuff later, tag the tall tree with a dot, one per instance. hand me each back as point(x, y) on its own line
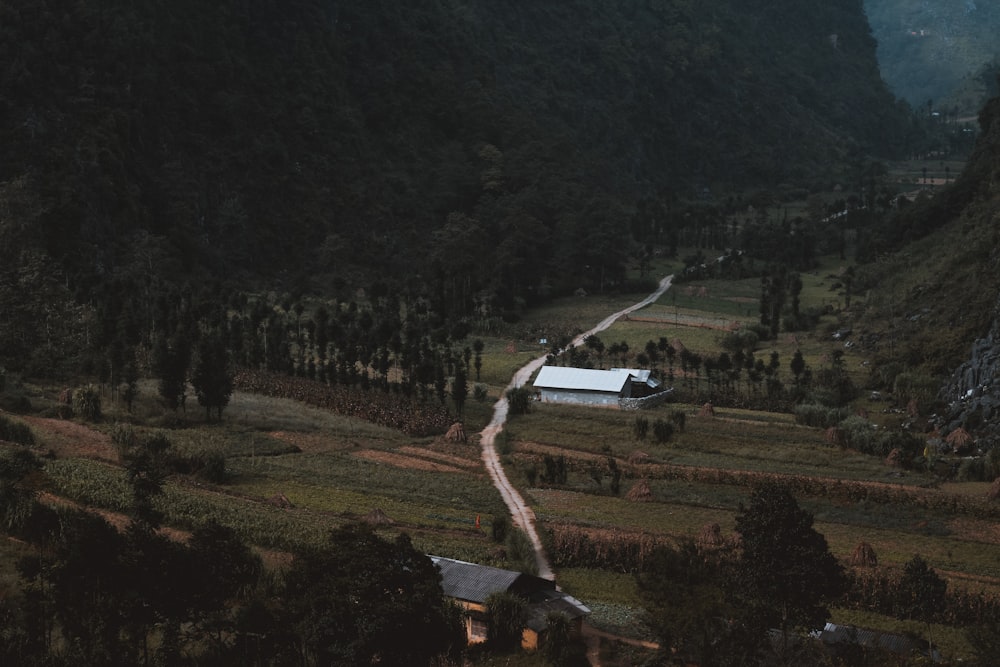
point(683, 591)
point(786, 572)
point(212, 378)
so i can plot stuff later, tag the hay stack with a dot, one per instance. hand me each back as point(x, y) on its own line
point(378, 518)
point(864, 556)
point(456, 433)
point(280, 500)
point(835, 436)
point(711, 537)
point(895, 458)
point(994, 492)
point(707, 410)
point(959, 439)
point(638, 457)
point(640, 492)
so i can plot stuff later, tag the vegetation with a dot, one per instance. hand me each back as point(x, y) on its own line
point(325, 221)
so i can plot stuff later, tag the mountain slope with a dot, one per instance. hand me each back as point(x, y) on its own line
point(494, 149)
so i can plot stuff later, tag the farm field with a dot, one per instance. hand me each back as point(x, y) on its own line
point(702, 475)
point(294, 472)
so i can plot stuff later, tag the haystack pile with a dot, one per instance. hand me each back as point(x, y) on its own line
point(638, 457)
point(895, 458)
point(280, 500)
point(835, 436)
point(863, 556)
point(959, 439)
point(994, 492)
point(640, 492)
point(378, 518)
point(711, 537)
point(456, 433)
point(706, 410)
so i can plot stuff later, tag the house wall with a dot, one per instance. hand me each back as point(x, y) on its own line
point(579, 396)
point(475, 626)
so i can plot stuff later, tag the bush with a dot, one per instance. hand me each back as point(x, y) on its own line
point(213, 468)
point(16, 431)
point(859, 434)
point(818, 415)
point(480, 392)
point(662, 431)
point(87, 403)
point(640, 428)
point(500, 528)
point(519, 399)
point(981, 469)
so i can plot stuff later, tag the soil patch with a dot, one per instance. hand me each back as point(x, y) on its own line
point(68, 439)
point(403, 461)
point(450, 459)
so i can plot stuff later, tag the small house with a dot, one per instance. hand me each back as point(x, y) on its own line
point(469, 584)
point(558, 384)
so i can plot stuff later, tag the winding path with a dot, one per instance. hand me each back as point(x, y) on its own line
point(522, 515)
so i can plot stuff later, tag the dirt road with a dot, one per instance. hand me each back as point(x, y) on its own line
point(522, 515)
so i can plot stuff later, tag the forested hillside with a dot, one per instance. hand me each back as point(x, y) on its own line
point(481, 154)
point(935, 54)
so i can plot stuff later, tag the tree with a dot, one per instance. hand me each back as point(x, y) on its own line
point(559, 648)
point(478, 346)
point(505, 616)
point(683, 592)
point(212, 380)
point(786, 572)
point(921, 591)
point(459, 390)
point(362, 600)
point(170, 364)
point(519, 400)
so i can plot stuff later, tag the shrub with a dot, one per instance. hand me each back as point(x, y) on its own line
point(521, 552)
point(500, 528)
point(859, 434)
point(662, 431)
point(87, 403)
point(124, 438)
point(818, 415)
point(480, 392)
point(640, 427)
point(213, 468)
point(16, 431)
point(519, 399)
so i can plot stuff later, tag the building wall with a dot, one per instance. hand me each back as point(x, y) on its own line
point(579, 396)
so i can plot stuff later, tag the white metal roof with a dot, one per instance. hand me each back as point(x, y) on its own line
point(561, 377)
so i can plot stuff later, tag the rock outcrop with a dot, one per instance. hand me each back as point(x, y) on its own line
point(973, 392)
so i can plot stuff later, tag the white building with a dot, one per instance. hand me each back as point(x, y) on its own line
point(558, 384)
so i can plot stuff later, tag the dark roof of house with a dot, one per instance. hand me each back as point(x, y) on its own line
point(474, 583)
point(471, 582)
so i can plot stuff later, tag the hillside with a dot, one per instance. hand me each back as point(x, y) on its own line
point(930, 301)
point(495, 150)
point(930, 52)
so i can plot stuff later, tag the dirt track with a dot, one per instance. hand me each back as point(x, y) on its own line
point(522, 515)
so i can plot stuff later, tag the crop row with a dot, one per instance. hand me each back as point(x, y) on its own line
point(376, 406)
point(841, 490)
